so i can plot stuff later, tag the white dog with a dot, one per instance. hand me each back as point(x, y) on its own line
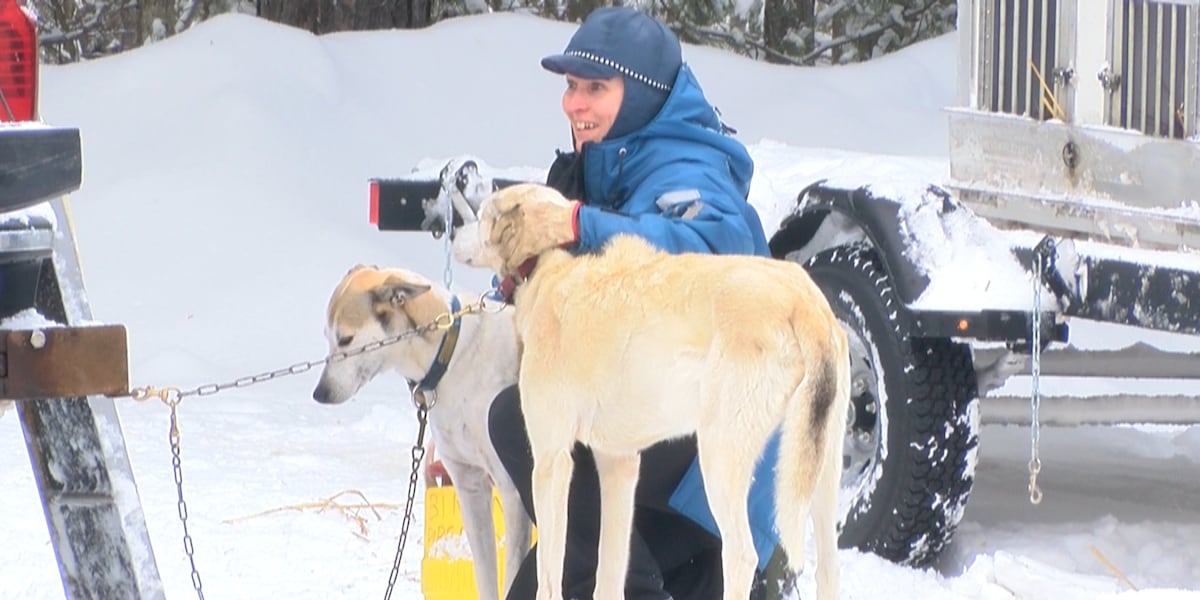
point(633, 346)
point(371, 304)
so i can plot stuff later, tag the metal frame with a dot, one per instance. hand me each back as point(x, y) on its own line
point(1045, 23)
point(1070, 411)
point(80, 463)
point(1127, 106)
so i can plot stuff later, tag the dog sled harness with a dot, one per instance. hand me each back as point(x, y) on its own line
point(441, 360)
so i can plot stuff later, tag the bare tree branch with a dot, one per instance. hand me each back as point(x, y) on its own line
point(90, 24)
point(742, 42)
point(789, 32)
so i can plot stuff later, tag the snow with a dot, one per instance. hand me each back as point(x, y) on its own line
point(225, 195)
point(39, 215)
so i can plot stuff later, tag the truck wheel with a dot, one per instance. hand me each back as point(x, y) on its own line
point(910, 446)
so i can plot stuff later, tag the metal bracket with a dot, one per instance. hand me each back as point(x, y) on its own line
point(1064, 76)
point(1109, 80)
point(63, 362)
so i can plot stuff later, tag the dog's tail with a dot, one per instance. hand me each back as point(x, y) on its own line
point(810, 451)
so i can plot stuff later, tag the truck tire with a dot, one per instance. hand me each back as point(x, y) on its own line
point(911, 439)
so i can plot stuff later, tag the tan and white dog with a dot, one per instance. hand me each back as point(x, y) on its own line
point(372, 304)
point(633, 346)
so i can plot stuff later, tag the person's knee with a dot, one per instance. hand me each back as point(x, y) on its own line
point(506, 424)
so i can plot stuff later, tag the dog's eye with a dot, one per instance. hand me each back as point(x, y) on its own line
point(500, 236)
point(342, 342)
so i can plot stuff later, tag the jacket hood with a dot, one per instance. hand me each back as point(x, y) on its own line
point(686, 124)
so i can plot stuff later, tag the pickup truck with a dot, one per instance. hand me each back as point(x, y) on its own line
point(37, 163)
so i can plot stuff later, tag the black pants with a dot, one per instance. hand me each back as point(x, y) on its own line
point(670, 555)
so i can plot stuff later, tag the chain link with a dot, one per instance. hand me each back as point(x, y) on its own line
point(172, 396)
point(177, 464)
point(447, 272)
point(1035, 399)
point(418, 454)
point(443, 321)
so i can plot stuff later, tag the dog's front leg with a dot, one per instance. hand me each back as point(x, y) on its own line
point(552, 471)
point(474, 489)
point(618, 484)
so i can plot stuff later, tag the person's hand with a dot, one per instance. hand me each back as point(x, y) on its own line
point(436, 474)
point(532, 221)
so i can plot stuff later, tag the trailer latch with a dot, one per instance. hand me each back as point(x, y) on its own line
point(63, 362)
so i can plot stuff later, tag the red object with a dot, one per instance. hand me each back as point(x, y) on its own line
point(18, 62)
point(374, 214)
point(508, 285)
point(575, 222)
point(506, 289)
point(436, 472)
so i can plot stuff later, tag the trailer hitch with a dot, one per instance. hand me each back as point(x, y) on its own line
point(1061, 271)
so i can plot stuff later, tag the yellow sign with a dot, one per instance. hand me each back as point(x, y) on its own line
point(447, 572)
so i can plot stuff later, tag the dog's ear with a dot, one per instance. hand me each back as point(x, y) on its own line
point(396, 291)
point(510, 199)
point(357, 268)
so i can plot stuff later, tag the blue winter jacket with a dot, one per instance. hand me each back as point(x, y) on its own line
point(681, 183)
point(682, 180)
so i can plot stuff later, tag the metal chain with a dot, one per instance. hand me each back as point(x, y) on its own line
point(172, 396)
point(443, 321)
point(447, 273)
point(418, 454)
point(1035, 462)
point(177, 464)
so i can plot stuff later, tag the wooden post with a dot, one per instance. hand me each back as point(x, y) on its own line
point(80, 463)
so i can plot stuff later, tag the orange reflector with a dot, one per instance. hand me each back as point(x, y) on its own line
point(963, 324)
point(373, 217)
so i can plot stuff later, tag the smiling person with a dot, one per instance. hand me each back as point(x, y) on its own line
point(650, 157)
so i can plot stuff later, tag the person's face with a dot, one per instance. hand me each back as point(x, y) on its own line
point(591, 107)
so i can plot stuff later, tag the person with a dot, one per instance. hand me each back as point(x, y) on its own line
point(650, 157)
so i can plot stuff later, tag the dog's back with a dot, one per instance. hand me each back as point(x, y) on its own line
point(636, 324)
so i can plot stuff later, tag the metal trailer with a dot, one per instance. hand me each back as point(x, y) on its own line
point(1075, 140)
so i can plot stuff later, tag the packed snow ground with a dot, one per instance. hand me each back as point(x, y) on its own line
point(224, 196)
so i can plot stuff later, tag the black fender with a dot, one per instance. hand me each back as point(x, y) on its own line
point(855, 214)
point(37, 164)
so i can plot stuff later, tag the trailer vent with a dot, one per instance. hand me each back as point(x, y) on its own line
point(1018, 35)
point(1155, 56)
